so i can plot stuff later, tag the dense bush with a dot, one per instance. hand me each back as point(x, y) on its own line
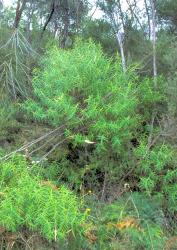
point(157, 171)
point(106, 116)
point(29, 202)
point(89, 94)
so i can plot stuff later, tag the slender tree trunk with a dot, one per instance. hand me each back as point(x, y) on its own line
point(1, 5)
point(117, 33)
point(19, 11)
point(29, 21)
point(52, 10)
point(148, 17)
point(116, 17)
point(121, 14)
point(1, 11)
point(55, 29)
point(120, 43)
point(154, 41)
point(66, 22)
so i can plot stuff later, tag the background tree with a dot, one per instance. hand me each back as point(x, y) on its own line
point(19, 10)
point(113, 11)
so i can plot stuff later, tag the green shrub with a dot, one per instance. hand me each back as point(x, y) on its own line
point(158, 174)
point(89, 94)
point(27, 201)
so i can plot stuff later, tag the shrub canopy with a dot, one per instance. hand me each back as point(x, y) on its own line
point(95, 101)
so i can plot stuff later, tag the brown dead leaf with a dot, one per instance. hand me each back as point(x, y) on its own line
point(49, 184)
point(92, 238)
point(127, 223)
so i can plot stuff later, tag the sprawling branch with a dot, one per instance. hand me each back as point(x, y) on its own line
point(133, 13)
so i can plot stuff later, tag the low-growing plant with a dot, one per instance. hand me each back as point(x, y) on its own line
point(29, 202)
point(133, 221)
point(158, 174)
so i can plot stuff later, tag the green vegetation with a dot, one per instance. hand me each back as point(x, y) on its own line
point(38, 205)
point(97, 102)
point(158, 173)
point(133, 221)
point(8, 122)
point(88, 130)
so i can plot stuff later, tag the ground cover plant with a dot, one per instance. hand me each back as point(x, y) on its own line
point(28, 201)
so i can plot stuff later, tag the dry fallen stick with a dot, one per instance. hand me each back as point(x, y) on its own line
point(32, 143)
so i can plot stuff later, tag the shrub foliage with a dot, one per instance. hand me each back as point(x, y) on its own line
point(96, 102)
point(28, 202)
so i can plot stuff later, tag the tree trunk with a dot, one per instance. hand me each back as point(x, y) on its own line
point(121, 14)
point(154, 41)
point(19, 11)
point(120, 43)
point(52, 10)
point(29, 20)
point(117, 32)
point(148, 17)
point(66, 22)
